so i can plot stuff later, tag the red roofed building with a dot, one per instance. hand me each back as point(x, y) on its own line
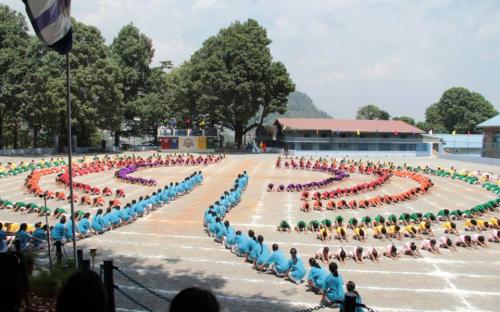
point(342, 135)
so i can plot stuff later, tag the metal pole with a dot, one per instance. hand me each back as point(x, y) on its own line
point(70, 169)
point(48, 229)
point(109, 284)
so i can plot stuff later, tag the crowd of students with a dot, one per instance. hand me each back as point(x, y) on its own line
point(13, 169)
point(257, 252)
point(85, 225)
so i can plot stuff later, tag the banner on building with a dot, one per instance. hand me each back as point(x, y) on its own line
point(170, 143)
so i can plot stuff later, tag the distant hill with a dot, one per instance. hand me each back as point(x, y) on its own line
point(299, 105)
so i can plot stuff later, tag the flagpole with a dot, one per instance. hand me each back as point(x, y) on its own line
point(70, 164)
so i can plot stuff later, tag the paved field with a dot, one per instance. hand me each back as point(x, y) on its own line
point(168, 250)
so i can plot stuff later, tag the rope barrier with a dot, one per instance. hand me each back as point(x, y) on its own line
point(140, 285)
point(124, 294)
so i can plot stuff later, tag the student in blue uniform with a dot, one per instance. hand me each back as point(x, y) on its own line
point(107, 218)
point(230, 238)
point(69, 227)
point(276, 262)
point(316, 277)
point(23, 236)
point(40, 236)
point(98, 224)
point(3, 239)
point(297, 270)
point(252, 243)
point(264, 254)
point(241, 248)
point(58, 233)
point(220, 230)
point(84, 226)
point(334, 286)
point(115, 217)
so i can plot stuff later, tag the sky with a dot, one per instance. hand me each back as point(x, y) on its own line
point(400, 55)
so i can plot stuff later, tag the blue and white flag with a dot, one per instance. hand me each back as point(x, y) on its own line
point(51, 20)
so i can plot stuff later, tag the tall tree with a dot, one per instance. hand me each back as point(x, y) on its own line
point(233, 77)
point(13, 40)
point(372, 112)
point(133, 52)
point(157, 105)
point(406, 119)
point(95, 92)
point(459, 109)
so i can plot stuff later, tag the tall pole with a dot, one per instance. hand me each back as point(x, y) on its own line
point(70, 164)
point(48, 229)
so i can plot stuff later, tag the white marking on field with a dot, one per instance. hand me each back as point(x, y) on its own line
point(453, 289)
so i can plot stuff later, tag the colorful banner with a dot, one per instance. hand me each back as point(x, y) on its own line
point(201, 144)
point(170, 143)
point(187, 143)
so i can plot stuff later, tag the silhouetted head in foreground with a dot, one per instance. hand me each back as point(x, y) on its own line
point(194, 299)
point(87, 284)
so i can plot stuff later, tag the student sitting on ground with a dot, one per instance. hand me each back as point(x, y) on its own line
point(296, 268)
point(316, 277)
point(276, 262)
point(341, 255)
point(301, 227)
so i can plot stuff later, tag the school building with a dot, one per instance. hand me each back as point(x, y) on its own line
point(342, 137)
point(491, 138)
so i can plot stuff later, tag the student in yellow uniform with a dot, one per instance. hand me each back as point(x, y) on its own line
point(379, 232)
point(482, 225)
point(450, 228)
point(324, 234)
point(424, 228)
point(493, 222)
point(394, 232)
point(410, 231)
point(359, 234)
point(470, 225)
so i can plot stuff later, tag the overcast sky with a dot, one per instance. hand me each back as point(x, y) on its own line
point(400, 55)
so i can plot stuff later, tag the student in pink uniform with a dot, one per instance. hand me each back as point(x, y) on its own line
point(411, 249)
point(341, 255)
point(324, 254)
point(494, 236)
point(372, 254)
point(356, 254)
point(391, 251)
point(446, 242)
point(430, 245)
point(479, 240)
point(464, 241)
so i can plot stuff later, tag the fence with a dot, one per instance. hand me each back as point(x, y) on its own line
point(107, 274)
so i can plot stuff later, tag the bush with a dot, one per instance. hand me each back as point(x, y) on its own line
point(48, 283)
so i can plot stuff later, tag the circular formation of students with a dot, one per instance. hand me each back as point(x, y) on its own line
point(480, 226)
point(35, 236)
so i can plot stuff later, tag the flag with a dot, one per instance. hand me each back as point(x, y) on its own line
point(284, 128)
point(454, 132)
point(468, 132)
point(202, 124)
point(358, 133)
point(338, 131)
point(317, 131)
point(396, 132)
point(51, 21)
point(430, 132)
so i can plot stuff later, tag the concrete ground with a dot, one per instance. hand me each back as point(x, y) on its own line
point(168, 251)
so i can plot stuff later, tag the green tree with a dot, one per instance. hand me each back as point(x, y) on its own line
point(133, 52)
point(13, 40)
point(232, 78)
point(95, 90)
point(157, 104)
point(406, 119)
point(372, 112)
point(459, 109)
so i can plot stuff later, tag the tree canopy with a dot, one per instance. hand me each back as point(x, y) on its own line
point(232, 78)
point(372, 112)
point(406, 119)
point(458, 110)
